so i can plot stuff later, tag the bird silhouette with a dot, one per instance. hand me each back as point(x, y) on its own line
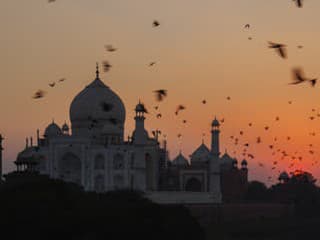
point(313, 82)
point(151, 64)
point(155, 23)
point(298, 77)
point(110, 48)
point(106, 66)
point(258, 139)
point(62, 79)
point(204, 101)
point(39, 94)
point(159, 115)
point(247, 26)
point(52, 84)
point(160, 94)
point(179, 108)
point(184, 121)
point(298, 3)
point(280, 48)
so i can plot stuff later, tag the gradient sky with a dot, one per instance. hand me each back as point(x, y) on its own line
point(202, 52)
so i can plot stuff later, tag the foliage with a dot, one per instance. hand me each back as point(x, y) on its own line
point(52, 209)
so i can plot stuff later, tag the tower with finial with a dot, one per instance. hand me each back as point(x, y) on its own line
point(214, 163)
point(215, 132)
point(140, 135)
point(1, 149)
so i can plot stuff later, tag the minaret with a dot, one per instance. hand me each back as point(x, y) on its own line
point(215, 132)
point(1, 149)
point(214, 163)
point(140, 135)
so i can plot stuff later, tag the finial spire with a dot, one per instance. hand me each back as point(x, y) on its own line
point(97, 70)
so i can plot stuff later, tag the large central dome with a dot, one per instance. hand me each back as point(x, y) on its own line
point(95, 107)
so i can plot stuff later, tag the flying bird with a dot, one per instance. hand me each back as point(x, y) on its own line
point(106, 66)
point(160, 94)
point(159, 115)
point(155, 23)
point(258, 139)
point(151, 64)
point(62, 79)
point(39, 94)
point(280, 48)
point(52, 84)
point(204, 101)
point(179, 108)
point(247, 25)
point(110, 48)
point(298, 77)
point(298, 3)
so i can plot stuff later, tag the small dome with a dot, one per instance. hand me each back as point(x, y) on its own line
point(283, 176)
point(52, 130)
point(28, 155)
point(65, 127)
point(244, 162)
point(215, 123)
point(180, 160)
point(96, 103)
point(200, 154)
point(140, 108)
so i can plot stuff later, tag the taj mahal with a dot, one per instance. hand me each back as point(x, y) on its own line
point(94, 154)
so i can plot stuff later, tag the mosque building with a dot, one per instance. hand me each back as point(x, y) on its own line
point(93, 153)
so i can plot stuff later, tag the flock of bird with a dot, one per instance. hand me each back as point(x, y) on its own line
point(241, 144)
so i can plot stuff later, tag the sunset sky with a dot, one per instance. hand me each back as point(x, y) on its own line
point(202, 52)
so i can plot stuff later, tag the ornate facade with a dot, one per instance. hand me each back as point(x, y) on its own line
point(96, 156)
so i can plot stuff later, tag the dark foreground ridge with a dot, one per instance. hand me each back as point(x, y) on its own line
point(41, 208)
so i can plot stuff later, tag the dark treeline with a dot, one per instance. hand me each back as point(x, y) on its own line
point(299, 190)
point(48, 209)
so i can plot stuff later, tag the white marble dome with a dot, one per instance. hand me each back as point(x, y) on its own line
point(94, 107)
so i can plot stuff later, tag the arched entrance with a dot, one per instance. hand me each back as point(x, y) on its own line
point(193, 185)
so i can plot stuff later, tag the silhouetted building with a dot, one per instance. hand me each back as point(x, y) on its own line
point(96, 156)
